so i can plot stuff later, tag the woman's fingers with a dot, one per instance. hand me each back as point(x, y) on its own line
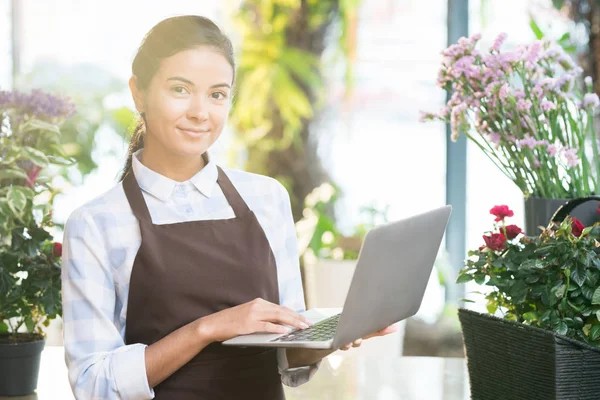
point(386, 331)
point(273, 328)
point(282, 317)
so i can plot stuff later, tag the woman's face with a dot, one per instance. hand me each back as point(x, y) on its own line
point(187, 102)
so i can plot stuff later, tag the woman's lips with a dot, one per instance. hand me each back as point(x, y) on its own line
point(194, 132)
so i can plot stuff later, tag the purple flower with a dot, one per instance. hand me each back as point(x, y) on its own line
point(494, 138)
point(528, 141)
point(588, 80)
point(532, 53)
point(523, 105)
point(498, 42)
point(571, 156)
point(548, 105)
point(552, 149)
point(503, 93)
point(37, 104)
point(591, 100)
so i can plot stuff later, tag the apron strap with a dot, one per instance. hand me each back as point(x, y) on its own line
point(231, 194)
point(135, 198)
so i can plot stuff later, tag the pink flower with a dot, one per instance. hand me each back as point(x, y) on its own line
point(548, 105)
point(498, 42)
point(523, 105)
point(501, 212)
point(552, 149)
point(495, 137)
point(528, 141)
point(571, 156)
point(591, 100)
point(503, 93)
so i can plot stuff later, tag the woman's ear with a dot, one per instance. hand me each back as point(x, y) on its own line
point(136, 93)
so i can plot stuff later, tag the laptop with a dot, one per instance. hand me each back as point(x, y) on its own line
point(392, 271)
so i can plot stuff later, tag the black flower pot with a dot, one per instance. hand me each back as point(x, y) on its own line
point(19, 366)
point(539, 211)
point(508, 360)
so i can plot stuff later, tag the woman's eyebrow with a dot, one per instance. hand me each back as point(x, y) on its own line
point(184, 80)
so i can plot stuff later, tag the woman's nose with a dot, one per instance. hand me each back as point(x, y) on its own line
point(198, 110)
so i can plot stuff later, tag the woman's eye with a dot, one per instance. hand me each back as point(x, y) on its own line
point(179, 89)
point(223, 95)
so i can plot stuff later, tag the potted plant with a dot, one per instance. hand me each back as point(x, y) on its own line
point(524, 109)
point(29, 259)
point(545, 344)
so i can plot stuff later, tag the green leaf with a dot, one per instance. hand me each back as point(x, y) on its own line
point(565, 37)
point(596, 296)
point(3, 327)
point(530, 316)
point(531, 264)
point(578, 275)
point(12, 173)
point(464, 278)
point(561, 328)
point(38, 125)
point(595, 332)
point(559, 291)
point(16, 200)
point(36, 156)
point(536, 29)
point(466, 300)
point(492, 306)
point(598, 315)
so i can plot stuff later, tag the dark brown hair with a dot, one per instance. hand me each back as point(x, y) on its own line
point(165, 39)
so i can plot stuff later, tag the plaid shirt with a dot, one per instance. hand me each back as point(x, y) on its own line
point(101, 239)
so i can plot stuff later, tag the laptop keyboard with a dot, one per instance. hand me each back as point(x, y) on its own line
point(319, 332)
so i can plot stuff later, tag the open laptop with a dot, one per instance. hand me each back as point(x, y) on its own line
point(392, 271)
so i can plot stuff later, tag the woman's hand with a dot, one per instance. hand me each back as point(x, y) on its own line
point(386, 331)
point(257, 315)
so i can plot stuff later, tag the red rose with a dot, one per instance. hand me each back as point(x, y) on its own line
point(577, 227)
point(598, 208)
point(57, 249)
point(496, 241)
point(32, 176)
point(512, 231)
point(501, 212)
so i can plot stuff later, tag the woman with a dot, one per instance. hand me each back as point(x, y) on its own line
point(181, 254)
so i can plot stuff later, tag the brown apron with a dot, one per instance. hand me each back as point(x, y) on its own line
point(187, 270)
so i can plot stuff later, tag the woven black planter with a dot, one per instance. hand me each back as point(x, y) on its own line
point(512, 361)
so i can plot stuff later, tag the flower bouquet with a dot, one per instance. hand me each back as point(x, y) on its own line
point(524, 110)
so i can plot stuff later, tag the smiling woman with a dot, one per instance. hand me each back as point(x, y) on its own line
point(182, 254)
point(186, 100)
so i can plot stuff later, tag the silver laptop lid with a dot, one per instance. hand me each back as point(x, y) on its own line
point(391, 274)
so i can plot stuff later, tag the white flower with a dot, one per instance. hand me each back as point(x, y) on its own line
point(338, 254)
point(327, 237)
point(309, 257)
point(311, 199)
point(324, 192)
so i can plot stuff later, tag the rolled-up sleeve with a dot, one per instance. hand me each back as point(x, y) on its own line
point(100, 365)
point(291, 294)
